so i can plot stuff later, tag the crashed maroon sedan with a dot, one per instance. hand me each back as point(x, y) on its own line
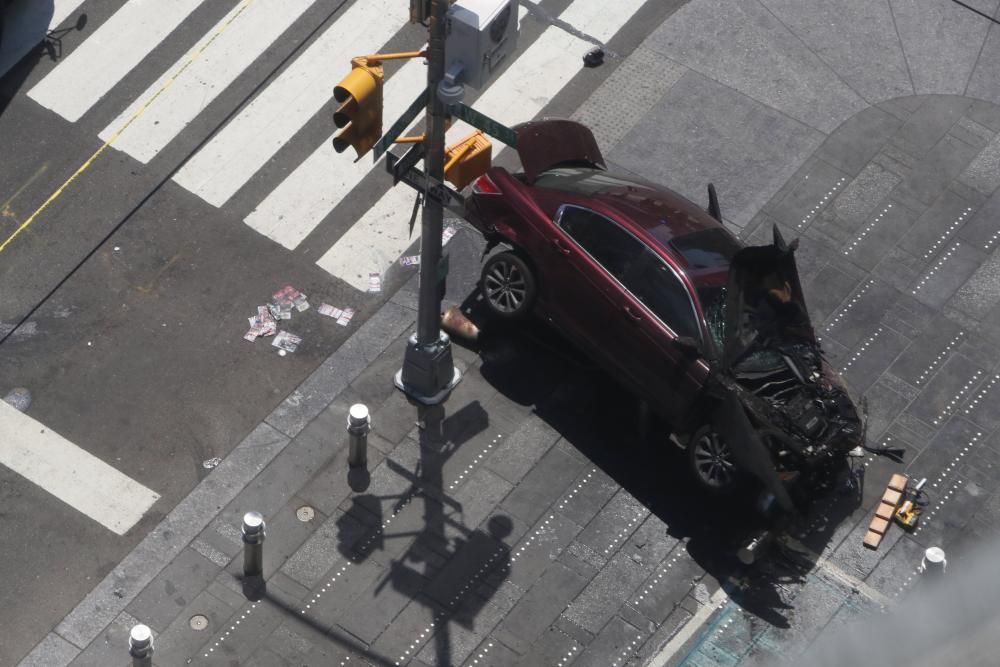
point(713, 336)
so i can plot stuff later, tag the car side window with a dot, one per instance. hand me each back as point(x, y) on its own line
point(613, 247)
point(655, 284)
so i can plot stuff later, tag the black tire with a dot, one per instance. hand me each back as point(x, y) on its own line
point(712, 462)
point(508, 285)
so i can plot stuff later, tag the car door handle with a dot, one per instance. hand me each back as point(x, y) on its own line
point(560, 247)
point(632, 315)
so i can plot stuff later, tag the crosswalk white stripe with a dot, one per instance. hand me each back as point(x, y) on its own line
point(303, 200)
point(236, 153)
point(70, 473)
point(238, 39)
point(316, 186)
point(539, 73)
point(61, 10)
point(114, 49)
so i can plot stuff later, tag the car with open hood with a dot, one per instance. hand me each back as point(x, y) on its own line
point(712, 335)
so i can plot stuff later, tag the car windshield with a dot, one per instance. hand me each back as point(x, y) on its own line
point(713, 300)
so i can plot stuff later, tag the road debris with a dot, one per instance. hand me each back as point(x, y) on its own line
point(329, 311)
point(446, 235)
point(208, 464)
point(886, 509)
point(594, 57)
point(374, 282)
point(289, 296)
point(286, 341)
point(280, 312)
point(283, 302)
point(456, 323)
point(19, 398)
point(345, 317)
point(262, 324)
point(410, 260)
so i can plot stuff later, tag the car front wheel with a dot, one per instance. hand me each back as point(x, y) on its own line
point(712, 461)
point(508, 284)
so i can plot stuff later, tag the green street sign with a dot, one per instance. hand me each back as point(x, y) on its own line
point(485, 123)
point(401, 123)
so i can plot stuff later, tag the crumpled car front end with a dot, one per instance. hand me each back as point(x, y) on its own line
point(798, 411)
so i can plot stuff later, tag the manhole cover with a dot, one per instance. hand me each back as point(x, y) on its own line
point(199, 622)
point(305, 513)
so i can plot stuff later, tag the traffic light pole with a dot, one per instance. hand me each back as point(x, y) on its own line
point(428, 374)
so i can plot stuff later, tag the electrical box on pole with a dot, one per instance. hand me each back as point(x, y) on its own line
point(480, 36)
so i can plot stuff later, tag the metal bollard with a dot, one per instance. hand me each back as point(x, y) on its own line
point(358, 426)
point(933, 563)
point(140, 646)
point(253, 544)
point(754, 547)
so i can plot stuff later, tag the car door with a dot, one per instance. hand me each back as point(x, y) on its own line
point(595, 252)
point(659, 308)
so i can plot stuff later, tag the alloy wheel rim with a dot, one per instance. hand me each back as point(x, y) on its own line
point(505, 287)
point(713, 461)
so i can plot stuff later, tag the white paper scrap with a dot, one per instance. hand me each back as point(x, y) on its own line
point(286, 341)
point(345, 317)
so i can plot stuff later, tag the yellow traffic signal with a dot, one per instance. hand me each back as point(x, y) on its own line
point(468, 159)
point(360, 112)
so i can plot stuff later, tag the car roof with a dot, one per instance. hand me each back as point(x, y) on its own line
point(666, 218)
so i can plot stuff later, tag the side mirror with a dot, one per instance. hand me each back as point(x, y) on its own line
point(688, 346)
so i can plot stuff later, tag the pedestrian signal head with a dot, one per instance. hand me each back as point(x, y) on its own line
point(359, 114)
point(468, 159)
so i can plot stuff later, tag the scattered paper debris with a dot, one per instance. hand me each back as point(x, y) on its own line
point(286, 341)
point(280, 312)
point(287, 295)
point(211, 463)
point(345, 317)
point(374, 282)
point(409, 260)
point(329, 311)
point(262, 324)
point(446, 235)
point(268, 317)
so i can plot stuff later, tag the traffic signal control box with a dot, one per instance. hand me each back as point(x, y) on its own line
point(468, 159)
point(360, 112)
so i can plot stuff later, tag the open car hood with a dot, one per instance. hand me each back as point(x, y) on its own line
point(764, 300)
point(546, 144)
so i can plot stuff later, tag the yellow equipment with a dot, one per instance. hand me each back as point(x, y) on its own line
point(909, 511)
point(468, 159)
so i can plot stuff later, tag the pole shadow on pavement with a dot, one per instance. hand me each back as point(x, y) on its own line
point(475, 561)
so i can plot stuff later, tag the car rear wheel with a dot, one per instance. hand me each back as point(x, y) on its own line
point(712, 461)
point(508, 284)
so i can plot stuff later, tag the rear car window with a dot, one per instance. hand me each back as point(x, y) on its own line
point(613, 247)
point(707, 248)
point(583, 181)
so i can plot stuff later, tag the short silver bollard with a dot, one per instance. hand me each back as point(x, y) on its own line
point(359, 424)
point(253, 544)
point(140, 646)
point(934, 562)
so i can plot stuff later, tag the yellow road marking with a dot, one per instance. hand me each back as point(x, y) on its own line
point(141, 110)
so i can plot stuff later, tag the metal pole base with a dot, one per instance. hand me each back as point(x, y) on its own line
point(428, 374)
